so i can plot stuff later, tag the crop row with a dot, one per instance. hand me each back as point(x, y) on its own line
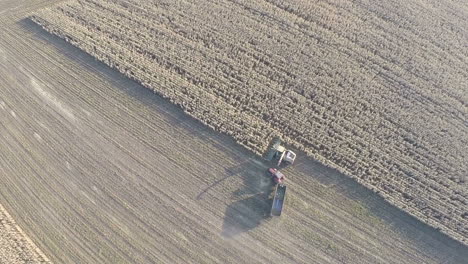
point(374, 95)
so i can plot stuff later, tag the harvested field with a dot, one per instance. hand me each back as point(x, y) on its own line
point(376, 90)
point(15, 246)
point(95, 168)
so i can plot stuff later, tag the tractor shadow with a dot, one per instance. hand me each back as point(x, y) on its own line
point(231, 172)
point(252, 201)
point(246, 214)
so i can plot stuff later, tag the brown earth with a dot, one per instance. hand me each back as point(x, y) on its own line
point(15, 245)
point(374, 90)
point(97, 169)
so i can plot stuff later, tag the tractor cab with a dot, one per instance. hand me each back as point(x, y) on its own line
point(278, 176)
point(280, 154)
point(289, 157)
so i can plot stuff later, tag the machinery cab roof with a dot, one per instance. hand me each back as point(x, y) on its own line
point(290, 156)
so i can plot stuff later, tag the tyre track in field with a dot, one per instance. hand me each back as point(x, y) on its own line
point(117, 149)
point(420, 164)
point(71, 195)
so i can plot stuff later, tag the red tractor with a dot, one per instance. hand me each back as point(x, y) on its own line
point(278, 176)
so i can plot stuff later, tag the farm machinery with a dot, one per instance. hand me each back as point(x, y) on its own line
point(283, 158)
point(278, 176)
point(280, 191)
point(280, 154)
point(278, 200)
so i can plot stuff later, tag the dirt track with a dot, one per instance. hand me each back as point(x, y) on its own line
point(96, 169)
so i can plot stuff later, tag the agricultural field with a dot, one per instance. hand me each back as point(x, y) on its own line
point(376, 90)
point(15, 245)
point(96, 168)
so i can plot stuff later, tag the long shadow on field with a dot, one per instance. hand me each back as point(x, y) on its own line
point(246, 214)
point(230, 173)
point(252, 203)
point(252, 199)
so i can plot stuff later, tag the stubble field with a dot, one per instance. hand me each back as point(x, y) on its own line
point(374, 90)
point(96, 168)
point(15, 246)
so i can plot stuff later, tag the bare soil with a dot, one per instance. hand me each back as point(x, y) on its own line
point(95, 168)
point(15, 245)
point(375, 90)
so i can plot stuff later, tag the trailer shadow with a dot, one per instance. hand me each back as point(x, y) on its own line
point(240, 216)
point(246, 214)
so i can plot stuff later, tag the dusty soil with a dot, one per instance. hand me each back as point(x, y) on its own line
point(15, 245)
point(97, 169)
point(375, 90)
